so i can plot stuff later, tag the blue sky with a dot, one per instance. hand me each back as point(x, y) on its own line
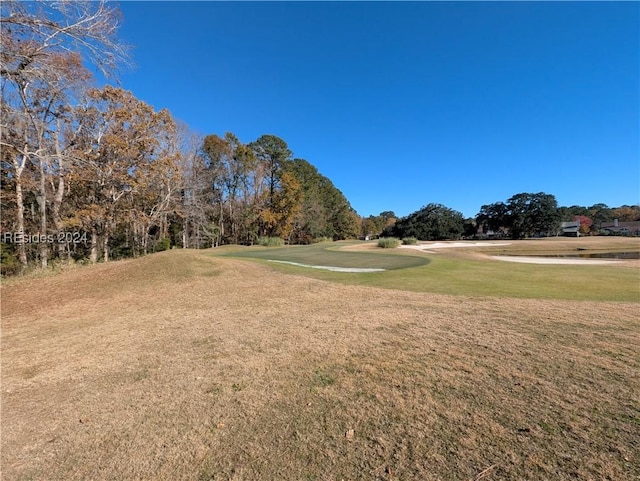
point(402, 104)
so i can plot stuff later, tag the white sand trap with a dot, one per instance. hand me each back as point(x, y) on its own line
point(555, 260)
point(331, 268)
point(428, 248)
point(448, 245)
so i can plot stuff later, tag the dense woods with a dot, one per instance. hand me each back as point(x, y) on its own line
point(235, 193)
point(93, 173)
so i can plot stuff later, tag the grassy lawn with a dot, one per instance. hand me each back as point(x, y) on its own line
point(453, 271)
point(481, 278)
point(193, 365)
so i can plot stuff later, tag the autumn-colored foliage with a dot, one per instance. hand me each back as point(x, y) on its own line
point(585, 224)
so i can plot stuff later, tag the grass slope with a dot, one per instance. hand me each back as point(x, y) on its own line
point(183, 366)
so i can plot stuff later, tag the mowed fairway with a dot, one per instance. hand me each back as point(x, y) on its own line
point(189, 365)
point(468, 271)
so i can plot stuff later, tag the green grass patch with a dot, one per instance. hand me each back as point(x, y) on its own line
point(450, 274)
point(323, 378)
point(328, 255)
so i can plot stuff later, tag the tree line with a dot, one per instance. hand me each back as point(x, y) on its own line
point(535, 215)
point(95, 173)
point(521, 216)
point(235, 193)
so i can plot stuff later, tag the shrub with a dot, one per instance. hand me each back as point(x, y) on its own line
point(318, 240)
point(270, 241)
point(9, 264)
point(163, 244)
point(388, 242)
point(409, 241)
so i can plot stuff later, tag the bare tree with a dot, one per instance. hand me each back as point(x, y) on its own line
point(32, 31)
point(41, 53)
point(189, 209)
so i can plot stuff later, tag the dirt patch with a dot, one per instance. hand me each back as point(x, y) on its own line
point(224, 369)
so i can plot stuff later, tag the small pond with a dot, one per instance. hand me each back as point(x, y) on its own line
point(598, 255)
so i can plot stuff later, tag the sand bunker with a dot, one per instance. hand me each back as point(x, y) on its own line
point(331, 268)
point(555, 260)
point(448, 245)
point(523, 259)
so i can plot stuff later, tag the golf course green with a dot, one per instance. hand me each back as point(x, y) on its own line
point(330, 255)
point(445, 272)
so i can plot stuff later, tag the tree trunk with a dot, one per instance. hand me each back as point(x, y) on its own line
point(105, 241)
point(55, 213)
point(144, 234)
point(94, 247)
point(42, 203)
point(185, 242)
point(22, 250)
point(59, 194)
point(105, 247)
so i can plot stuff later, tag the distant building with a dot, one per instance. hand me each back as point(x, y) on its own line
point(621, 228)
point(571, 229)
point(483, 232)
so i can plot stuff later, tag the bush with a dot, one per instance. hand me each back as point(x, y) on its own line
point(318, 240)
point(163, 244)
point(270, 241)
point(9, 263)
point(388, 242)
point(409, 241)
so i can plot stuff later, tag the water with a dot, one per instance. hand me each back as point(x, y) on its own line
point(600, 255)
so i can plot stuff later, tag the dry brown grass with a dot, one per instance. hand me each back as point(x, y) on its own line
point(183, 366)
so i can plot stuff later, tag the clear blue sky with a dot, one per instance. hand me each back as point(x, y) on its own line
point(402, 104)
